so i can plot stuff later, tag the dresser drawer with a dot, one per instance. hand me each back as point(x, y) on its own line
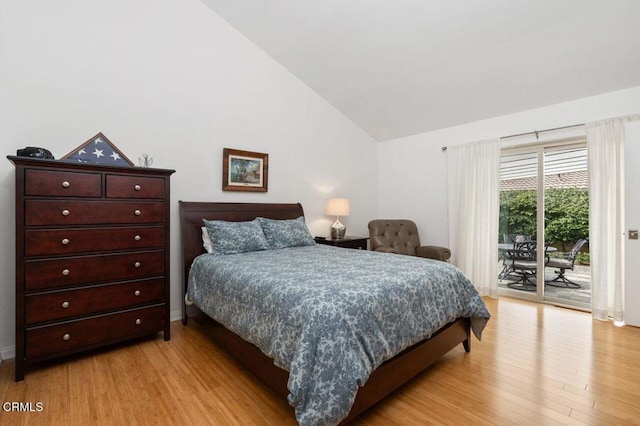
point(75, 335)
point(62, 184)
point(68, 271)
point(134, 187)
point(65, 212)
point(90, 300)
point(69, 241)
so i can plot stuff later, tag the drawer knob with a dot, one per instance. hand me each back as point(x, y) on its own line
point(66, 184)
point(137, 187)
point(137, 212)
point(137, 264)
point(65, 241)
point(137, 238)
point(65, 304)
point(66, 336)
point(65, 212)
point(66, 272)
point(137, 292)
point(138, 321)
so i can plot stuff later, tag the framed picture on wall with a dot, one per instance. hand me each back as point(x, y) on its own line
point(244, 170)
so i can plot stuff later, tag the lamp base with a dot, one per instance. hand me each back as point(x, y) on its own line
point(338, 230)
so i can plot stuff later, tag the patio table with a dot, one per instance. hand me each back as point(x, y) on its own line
point(504, 247)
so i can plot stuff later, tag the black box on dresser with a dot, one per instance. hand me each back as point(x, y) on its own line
point(92, 256)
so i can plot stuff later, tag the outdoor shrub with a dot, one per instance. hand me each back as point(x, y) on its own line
point(583, 258)
point(566, 214)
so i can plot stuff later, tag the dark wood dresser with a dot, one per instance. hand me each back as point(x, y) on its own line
point(92, 256)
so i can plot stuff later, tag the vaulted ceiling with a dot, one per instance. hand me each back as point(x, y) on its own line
point(403, 67)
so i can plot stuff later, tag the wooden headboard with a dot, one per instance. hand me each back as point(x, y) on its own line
point(192, 213)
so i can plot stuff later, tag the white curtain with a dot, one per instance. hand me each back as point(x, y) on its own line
point(605, 146)
point(473, 180)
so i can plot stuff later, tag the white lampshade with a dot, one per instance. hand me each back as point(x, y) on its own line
point(337, 207)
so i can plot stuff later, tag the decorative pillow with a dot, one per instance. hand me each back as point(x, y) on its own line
point(206, 240)
point(286, 233)
point(236, 237)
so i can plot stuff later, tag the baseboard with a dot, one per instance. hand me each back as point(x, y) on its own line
point(7, 353)
point(175, 315)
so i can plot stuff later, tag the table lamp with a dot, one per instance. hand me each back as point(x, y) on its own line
point(337, 207)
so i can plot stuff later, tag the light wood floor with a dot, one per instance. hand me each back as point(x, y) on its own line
point(535, 365)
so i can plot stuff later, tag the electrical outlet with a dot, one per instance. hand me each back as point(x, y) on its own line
point(633, 234)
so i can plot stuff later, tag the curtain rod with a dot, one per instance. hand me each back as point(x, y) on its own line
point(535, 132)
point(630, 117)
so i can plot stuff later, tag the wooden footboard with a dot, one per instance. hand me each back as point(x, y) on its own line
point(388, 377)
point(385, 379)
point(409, 363)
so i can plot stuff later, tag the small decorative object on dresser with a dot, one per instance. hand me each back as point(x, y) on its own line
point(92, 256)
point(145, 160)
point(345, 242)
point(32, 151)
point(337, 207)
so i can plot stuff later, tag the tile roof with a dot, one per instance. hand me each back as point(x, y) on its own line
point(578, 179)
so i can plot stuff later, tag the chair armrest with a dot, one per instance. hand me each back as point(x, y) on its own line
point(386, 250)
point(434, 252)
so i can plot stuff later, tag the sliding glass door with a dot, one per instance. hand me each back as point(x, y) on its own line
point(518, 222)
point(544, 224)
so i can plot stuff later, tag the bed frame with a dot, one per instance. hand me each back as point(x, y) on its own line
point(384, 380)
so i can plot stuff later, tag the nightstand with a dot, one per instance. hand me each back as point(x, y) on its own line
point(359, 243)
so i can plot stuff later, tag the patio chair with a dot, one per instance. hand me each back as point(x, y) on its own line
point(564, 263)
point(506, 255)
point(523, 263)
point(512, 238)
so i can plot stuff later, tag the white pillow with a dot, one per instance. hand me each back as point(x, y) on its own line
point(206, 240)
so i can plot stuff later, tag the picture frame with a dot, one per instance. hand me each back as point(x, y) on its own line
point(98, 150)
point(244, 170)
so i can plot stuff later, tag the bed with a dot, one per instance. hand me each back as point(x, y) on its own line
point(342, 371)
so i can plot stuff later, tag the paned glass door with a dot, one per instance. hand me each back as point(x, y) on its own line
point(544, 224)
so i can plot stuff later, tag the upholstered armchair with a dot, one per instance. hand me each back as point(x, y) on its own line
point(401, 236)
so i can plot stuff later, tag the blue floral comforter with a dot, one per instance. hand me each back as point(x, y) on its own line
point(330, 316)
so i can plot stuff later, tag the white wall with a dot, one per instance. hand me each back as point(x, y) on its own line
point(172, 79)
point(412, 170)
